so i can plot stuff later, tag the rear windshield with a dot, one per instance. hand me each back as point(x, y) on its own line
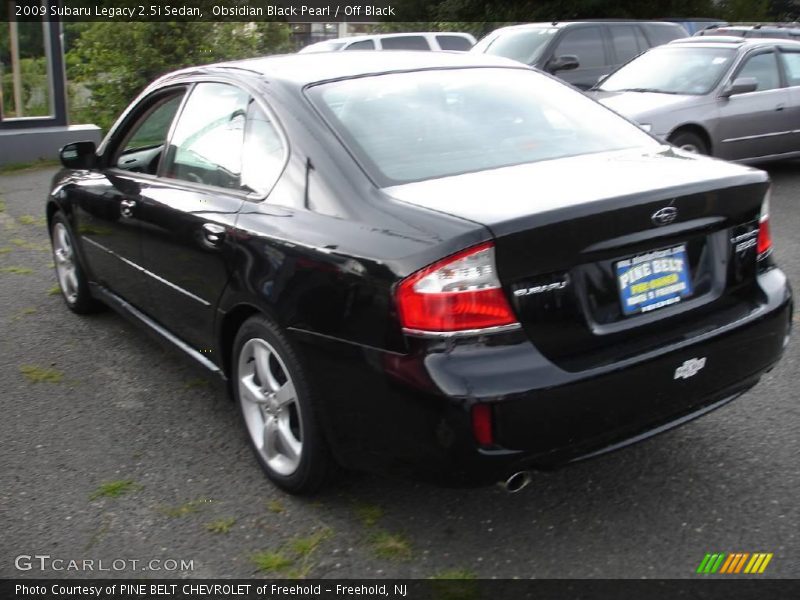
point(406, 127)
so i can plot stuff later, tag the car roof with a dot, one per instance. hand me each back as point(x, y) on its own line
point(719, 41)
point(299, 70)
point(373, 36)
point(562, 24)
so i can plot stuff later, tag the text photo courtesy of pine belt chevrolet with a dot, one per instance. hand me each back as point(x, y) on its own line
point(446, 266)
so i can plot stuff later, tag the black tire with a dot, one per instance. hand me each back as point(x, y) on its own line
point(74, 289)
point(315, 464)
point(689, 141)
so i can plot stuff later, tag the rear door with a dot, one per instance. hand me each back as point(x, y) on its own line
point(755, 124)
point(190, 210)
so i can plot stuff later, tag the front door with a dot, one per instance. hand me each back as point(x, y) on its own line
point(107, 216)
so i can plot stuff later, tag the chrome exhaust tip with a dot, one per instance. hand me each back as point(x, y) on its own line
point(516, 482)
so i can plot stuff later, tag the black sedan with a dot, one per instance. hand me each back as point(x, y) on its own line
point(447, 266)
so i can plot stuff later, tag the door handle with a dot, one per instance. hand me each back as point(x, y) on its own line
point(780, 107)
point(126, 207)
point(213, 233)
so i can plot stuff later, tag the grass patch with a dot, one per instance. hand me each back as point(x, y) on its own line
point(31, 220)
point(294, 559)
point(17, 270)
point(197, 383)
point(391, 546)
point(369, 514)
point(54, 291)
point(115, 489)
point(5, 250)
point(305, 546)
point(24, 166)
point(2, 206)
point(187, 508)
point(271, 561)
point(36, 374)
point(221, 525)
point(275, 506)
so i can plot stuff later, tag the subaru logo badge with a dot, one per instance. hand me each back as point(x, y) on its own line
point(664, 216)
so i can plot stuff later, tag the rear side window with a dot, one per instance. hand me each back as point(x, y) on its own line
point(586, 43)
point(453, 42)
point(264, 152)
point(627, 42)
point(661, 33)
point(362, 45)
point(207, 144)
point(405, 42)
point(791, 64)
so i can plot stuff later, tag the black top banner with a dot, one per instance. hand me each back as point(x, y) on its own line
point(373, 11)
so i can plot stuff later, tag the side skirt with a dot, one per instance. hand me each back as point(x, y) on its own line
point(136, 316)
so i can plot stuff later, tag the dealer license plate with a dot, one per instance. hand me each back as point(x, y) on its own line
point(653, 280)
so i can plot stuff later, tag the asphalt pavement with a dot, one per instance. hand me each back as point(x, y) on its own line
point(114, 448)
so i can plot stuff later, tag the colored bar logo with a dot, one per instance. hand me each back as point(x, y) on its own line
point(734, 563)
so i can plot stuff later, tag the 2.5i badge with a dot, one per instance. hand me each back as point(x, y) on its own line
point(690, 368)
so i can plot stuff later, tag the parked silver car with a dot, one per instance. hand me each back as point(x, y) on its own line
point(735, 98)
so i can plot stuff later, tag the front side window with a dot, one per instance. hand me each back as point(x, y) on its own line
point(523, 45)
point(764, 69)
point(453, 42)
point(672, 70)
point(362, 45)
point(586, 43)
point(206, 146)
point(405, 42)
point(407, 127)
point(142, 144)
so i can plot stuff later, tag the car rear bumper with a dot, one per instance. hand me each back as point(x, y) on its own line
point(410, 414)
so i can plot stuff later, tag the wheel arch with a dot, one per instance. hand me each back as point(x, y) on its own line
point(696, 129)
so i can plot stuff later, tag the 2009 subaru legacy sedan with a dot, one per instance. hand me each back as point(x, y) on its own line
point(441, 265)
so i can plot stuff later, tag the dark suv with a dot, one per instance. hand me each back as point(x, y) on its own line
point(578, 52)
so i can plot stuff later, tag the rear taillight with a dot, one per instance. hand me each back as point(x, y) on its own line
point(764, 244)
point(461, 292)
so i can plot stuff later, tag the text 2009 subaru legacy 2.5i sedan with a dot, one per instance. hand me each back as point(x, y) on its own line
point(450, 266)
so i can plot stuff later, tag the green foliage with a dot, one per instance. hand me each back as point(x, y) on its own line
point(271, 561)
point(114, 61)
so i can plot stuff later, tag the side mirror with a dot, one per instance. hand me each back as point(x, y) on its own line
point(566, 62)
point(741, 85)
point(79, 155)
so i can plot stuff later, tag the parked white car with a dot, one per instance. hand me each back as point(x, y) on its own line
point(433, 40)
